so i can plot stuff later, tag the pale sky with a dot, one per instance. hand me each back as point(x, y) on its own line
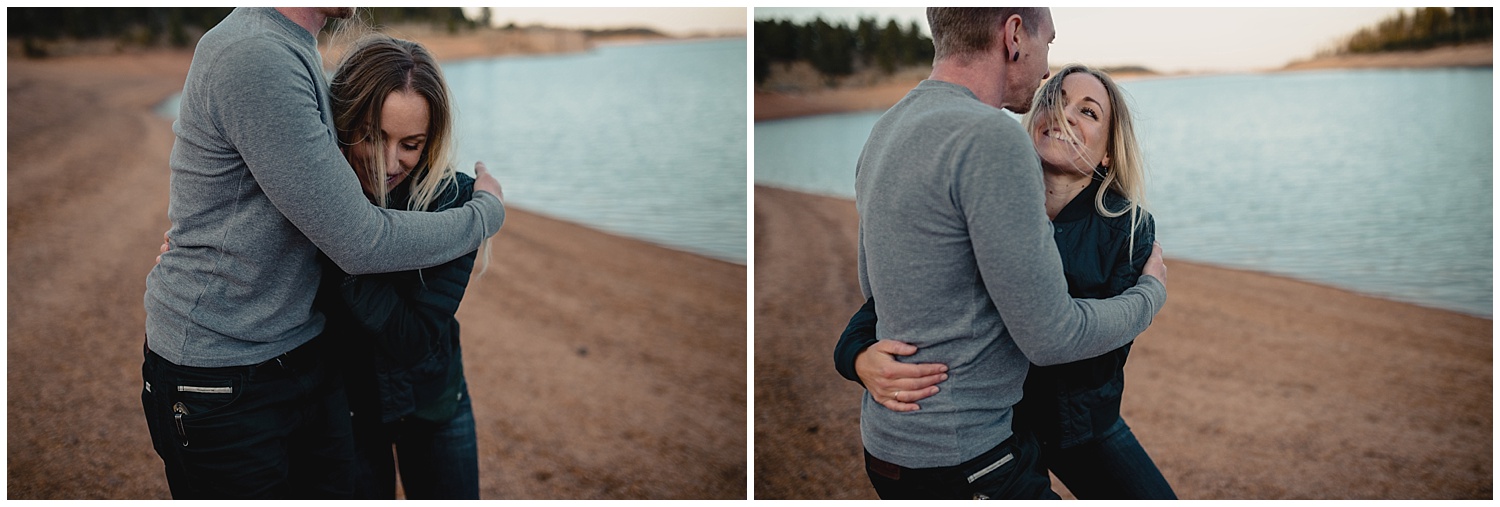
point(1175, 39)
point(668, 20)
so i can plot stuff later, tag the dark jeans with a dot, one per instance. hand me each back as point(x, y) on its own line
point(278, 429)
point(1114, 467)
point(439, 461)
point(1011, 470)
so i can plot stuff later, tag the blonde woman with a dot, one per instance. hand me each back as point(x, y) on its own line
point(397, 332)
point(1093, 173)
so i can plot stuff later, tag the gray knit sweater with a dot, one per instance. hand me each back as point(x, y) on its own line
point(258, 187)
point(956, 249)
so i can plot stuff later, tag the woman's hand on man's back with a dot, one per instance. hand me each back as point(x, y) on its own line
point(894, 384)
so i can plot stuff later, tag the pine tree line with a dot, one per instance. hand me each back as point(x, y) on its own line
point(176, 26)
point(1424, 28)
point(136, 25)
point(837, 50)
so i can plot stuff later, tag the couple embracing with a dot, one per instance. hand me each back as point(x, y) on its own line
point(1000, 260)
point(300, 327)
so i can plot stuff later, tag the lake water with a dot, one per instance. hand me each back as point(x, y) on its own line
point(645, 140)
point(1378, 181)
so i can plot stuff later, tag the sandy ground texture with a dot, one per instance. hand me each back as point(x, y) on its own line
point(1246, 386)
point(600, 367)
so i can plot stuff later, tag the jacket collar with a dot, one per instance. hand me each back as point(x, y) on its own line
point(1082, 205)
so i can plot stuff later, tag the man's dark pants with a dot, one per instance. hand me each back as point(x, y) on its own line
point(278, 429)
point(1010, 470)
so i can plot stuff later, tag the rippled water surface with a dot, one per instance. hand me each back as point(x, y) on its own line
point(1379, 181)
point(642, 140)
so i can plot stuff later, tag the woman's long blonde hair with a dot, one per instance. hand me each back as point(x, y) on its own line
point(1127, 169)
point(372, 68)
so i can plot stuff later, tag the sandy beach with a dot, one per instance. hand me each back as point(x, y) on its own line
point(600, 366)
point(1246, 386)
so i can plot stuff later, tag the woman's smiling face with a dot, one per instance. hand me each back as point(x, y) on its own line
point(1086, 109)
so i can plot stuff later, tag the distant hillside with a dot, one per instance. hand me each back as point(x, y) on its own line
point(1423, 37)
point(1478, 54)
point(625, 33)
point(1424, 28)
point(1129, 70)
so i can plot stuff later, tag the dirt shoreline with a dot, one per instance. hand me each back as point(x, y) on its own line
point(771, 105)
point(600, 366)
point(1246, 386)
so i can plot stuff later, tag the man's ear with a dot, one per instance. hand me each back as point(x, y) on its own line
point(1011, 37)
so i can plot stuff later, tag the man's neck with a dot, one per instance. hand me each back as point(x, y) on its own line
point(309, 18)
point(976, 72)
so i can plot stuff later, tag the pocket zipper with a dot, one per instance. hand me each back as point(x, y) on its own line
point(179, 410)
point(992, 467)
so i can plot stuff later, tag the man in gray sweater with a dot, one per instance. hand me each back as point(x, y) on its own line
point(956, 249)
point(236, 394)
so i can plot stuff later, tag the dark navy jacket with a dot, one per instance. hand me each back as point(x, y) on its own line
point(1074, 403)
point(396, 332)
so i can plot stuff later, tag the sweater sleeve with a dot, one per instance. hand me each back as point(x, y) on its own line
point(858, 336)
point(266, 105)
point(998, 189)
